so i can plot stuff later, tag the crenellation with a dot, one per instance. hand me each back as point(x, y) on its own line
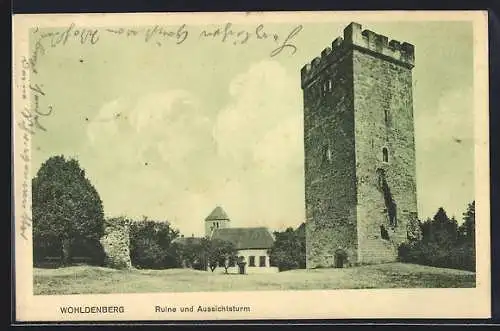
point(326, 52)
point(352, 33)
point(394, 45)
point(370, 38)
point(315, 63)
point(337, 43)
point(355, 37)
point(382, 42)
point(328, 56)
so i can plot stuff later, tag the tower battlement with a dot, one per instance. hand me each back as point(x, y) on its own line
point(401, 53)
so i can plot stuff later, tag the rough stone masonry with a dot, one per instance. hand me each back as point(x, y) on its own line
point(116, 243)
point(360, 185)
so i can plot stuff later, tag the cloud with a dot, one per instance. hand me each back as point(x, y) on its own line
point(259, 135)
point(160, 155)
point(444, 141)
point(261, 99)
point(148, 153)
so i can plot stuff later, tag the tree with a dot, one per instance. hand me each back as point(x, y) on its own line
point(66, 206)
point(203, 253)
point(289, 249)
point(443, 242)
point(194, 252)
point(221, 253)
point(440, 229)
point(151, 244)
point(467, 230)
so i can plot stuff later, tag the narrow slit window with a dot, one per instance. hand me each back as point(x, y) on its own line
point(328, 154)
point(385, 154)
point(386, 116)
point(329, 85)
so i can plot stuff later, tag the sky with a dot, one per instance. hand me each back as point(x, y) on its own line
point(170, 131)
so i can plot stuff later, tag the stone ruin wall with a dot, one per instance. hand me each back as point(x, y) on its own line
point(116, 243)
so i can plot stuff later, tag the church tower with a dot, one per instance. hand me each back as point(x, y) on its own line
point(360, 182)
point(217, 219)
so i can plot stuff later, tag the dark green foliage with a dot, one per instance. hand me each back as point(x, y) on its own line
point(151, 245)
point(444, 243)
point(221, 253)
point(67, 212)
point(203, 253)
point(467, 231)
point(193, 253)
point(289, 249)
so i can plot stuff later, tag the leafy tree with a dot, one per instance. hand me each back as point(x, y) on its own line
point(221, 253)
point(289, 249)
point(203, 253)
point(66, 207)
point(151, 244)
point(193, 253)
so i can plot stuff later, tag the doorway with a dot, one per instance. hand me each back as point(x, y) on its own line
point(340, 258)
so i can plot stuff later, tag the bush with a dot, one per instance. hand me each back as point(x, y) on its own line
point(289, 249)
point(151, 245)
point(443, 244)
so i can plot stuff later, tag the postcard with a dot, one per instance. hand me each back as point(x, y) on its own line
point(258, 165)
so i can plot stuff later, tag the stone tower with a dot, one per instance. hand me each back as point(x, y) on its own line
point(217, 219)
point(360, 185)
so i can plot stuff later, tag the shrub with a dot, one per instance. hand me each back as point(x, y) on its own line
point(151, 245)
point(443, 243)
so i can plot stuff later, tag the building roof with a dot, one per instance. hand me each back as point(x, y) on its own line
point(217, 214)
point(246, 238)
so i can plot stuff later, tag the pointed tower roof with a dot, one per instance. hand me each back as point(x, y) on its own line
point(217, 214)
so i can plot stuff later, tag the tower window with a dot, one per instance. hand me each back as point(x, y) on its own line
point(386, 116)
point(385, 154)
point(329, 85)
point(328, 154)
point(217, 225)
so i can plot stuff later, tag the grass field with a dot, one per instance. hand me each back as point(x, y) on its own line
point(98, 280)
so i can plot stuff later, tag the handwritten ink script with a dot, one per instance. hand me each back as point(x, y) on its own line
point(240, 37)
point(29, 123)
point(158, 35)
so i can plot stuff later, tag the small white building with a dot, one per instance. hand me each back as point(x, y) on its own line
point(252, 243)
